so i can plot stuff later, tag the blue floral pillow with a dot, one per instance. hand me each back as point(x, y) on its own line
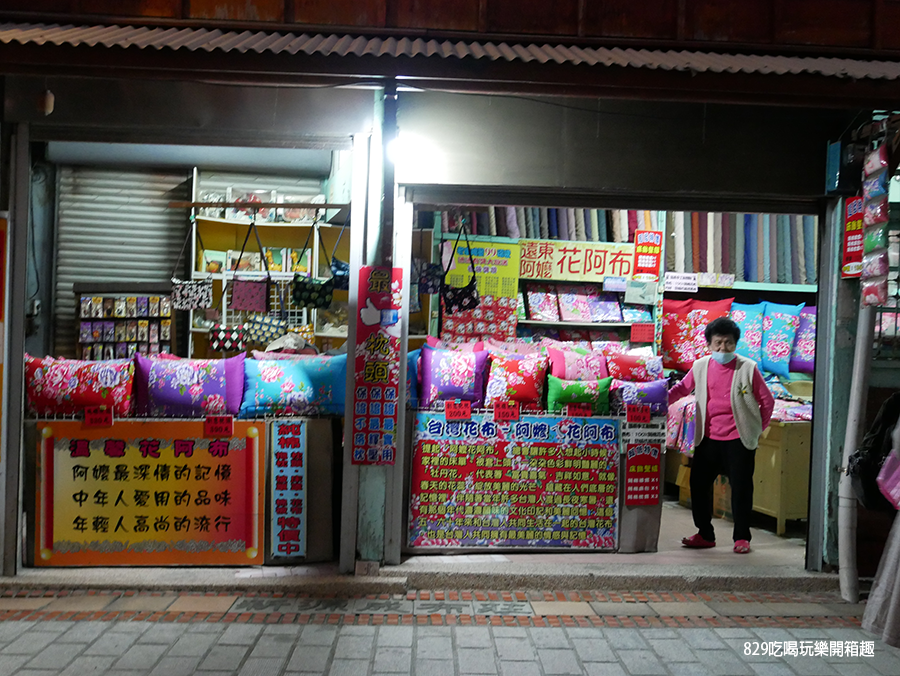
point(314, 385)
point(749, 319)
point(780, 325)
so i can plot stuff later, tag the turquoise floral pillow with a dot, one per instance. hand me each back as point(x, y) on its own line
point(314, 385)
point(749, 319)
point(780, 325)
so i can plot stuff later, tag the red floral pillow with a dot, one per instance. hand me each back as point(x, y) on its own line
point(634, 368)
point(68, 386)
point(677, 348)
point(702, 314)
point(517, 379)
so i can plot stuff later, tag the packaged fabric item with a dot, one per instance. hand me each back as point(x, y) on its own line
point(875, 264)
point(188, 388)
point(701, 314)
point(594, 392)
point(608, 347)
point(68, 386)
point(634, 369)
point(577, 364)
point(517, 379)
point(604, 307)
point(448, 374)
point(875, 186)
point(875, 237)
point(542, 303)
point(573, 303)
point(677, 347)
point(749, 319)
point(876, 160)
point(875, 291)
point(780, 324)
point(654, 394)
point(636, 314)
point(876, 211)
point(315, 385)
point(803, 353)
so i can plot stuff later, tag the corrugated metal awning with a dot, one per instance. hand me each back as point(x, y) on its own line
point(261, 42)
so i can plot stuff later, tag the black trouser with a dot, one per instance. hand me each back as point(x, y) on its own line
point(737, 462)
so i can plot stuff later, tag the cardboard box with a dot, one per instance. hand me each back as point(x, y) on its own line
point(674, 460)
point(722, 498)
point(684, 486)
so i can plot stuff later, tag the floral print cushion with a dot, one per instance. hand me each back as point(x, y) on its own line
point(189, 388)
point(512, 347)
point(542, 302)
point(577, 364)
point(604, 307)
point(780, 324)
point(654, 394)
point(701, 314)
point(448, 374)
point(519, 380)
point(594, 392)
point(634, 369)
point(470, 346)
point(573, 303)
point(749, 319)
point(636, 314)
point(803, 354)
point(313, 386)
point(68, 386)
point(677, 347)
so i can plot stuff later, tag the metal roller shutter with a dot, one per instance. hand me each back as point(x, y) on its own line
point(114, 225)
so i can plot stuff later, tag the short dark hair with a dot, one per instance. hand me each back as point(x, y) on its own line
point(722, 326)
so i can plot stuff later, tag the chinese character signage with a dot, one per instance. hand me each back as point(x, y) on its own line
point(575, 261)
point(647, 255)
point(542, 481)
point(851, 263)
point(288, 490)
point(642, 469)
point(148, 493)
point(377, 366)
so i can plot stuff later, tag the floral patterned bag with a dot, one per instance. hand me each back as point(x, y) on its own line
point(251, 295)
point(308, 292)
point(462, 298)
point(190, 294)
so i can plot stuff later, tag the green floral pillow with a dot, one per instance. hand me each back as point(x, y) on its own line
point(594, 392)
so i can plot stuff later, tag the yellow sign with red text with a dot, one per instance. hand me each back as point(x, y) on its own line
point(575, 261)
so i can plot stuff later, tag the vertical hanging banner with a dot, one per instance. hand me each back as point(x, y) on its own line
point(377, 366)
point(851, 262)
point(647, 255)
point(642, 468)
point(148, 493)
point(287, 498)
point(541, 481)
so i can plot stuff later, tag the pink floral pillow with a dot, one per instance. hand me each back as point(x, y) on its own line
point(577, 364)
point(610, 347)
point(677, 348)
point(519, 380)
point(514, 347)
point(471, 346)
point(634, 369)
point(701, 315)
point(68, 386)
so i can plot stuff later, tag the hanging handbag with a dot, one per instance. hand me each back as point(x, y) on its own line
point(223, 338)
point(460, 298)
point(190, 294)
point(263, 329)
point(340, 270)
point(430, 276)
point(251, 295)
point(309, 292)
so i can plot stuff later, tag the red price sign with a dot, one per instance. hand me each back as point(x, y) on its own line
point(98, 416)
point(579, 410)
point(637, 414)
point(218, 426)
point(506, 411)
point(458, 410)
point(642, 333)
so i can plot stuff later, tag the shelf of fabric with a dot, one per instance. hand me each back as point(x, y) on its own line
point(581, 325)
point(478, 238)
point(767, 286)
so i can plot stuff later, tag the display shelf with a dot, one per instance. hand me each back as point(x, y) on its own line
point(768, 286)
point(477, 238)
point(583, 325)
point(245, 274)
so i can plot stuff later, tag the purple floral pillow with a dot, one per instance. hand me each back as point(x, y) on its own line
point(189, 388)
point(448, 374)
point(654, 394)
point(803, 354)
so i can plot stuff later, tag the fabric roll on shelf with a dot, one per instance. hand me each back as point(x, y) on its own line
point(688, 242)
point(580, 230)
point(445, 222)
point(678, 242)
point(593, 231)
point(773, 248)
point(695, 242)
point(738, 230)
point(796, 223)
point(545, 224)
point(492, 221)
point(752, 236)
point(780, 275)
point(715, 252)
point(631, 217)
point(810, 247)
point(520, 221)
point(512, 225)
point(553, 223)
point(725, 263)
point(669, 237)
point(563, 223)
point(801, 250)
point(603, 219)
point(763, 259)
point(536, 219)
point(702, 242)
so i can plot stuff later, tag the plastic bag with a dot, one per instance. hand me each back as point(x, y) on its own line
point(875, 237)
point(876, 160)
point(874, 291)
point(876, 212)
point(875, 186)
point(875, 264)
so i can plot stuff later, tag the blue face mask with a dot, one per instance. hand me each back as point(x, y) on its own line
point(724, 357)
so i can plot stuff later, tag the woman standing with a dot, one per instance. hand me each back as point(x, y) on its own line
point(734, 406)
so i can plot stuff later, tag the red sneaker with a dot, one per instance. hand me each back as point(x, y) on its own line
point(697, 541)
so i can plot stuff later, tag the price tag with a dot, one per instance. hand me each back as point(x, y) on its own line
point(458, 410)
point(97, 416)
point(643, 333)
point(506, 411)
point(637, 414)
point(685, 282)
point(218, 426)
point(579, 410)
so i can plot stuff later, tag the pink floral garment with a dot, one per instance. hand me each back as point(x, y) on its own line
point(516, 379)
